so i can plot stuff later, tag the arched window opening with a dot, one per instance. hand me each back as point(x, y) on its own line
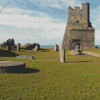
point(77, 23)
point(77, 46)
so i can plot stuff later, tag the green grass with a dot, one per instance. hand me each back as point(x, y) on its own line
point(96, 50)
point(76, 79)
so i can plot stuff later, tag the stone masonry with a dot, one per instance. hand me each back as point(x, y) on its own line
point(56, 47)
point(62, 54)
point(18, 46)
point(79, 29)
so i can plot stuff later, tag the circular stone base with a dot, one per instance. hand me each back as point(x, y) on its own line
point(11, 66)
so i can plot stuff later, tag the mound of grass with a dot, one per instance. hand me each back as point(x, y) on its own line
point(45, 78)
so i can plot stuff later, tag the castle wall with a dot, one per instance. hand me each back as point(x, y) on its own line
point(82, 33)
point(66, 40)
point(86, 37)
point(80, 15)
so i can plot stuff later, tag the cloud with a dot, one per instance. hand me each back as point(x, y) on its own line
point(41, 27)
point(21, 19)
point(97, 37)
point(95, 20)
point(36, 24)
point(56, 3)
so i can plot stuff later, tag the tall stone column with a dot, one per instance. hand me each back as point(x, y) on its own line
point(56, 47)
point(18, 46)
point(9, 48)
point(62, 54)
point(36, 48)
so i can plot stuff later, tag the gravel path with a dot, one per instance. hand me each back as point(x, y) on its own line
point(91, 53)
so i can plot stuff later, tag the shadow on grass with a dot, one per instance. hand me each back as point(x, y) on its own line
point(5, 53)
point(43, 50)
point(24, 48)
point(78, 55)
point(83, 54)
point(79, 61)
point(40, 50)
point(24, 71)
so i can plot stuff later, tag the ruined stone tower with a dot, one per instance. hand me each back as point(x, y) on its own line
point(79, 30)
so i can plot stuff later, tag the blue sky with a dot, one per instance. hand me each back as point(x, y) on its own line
point(41, 21)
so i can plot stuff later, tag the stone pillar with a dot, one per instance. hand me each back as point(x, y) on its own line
point(9, 48)
point(18, 46)
point(36, 48)
point(56, 47)
point(62, 54)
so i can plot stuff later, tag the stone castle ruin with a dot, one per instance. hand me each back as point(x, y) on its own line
point(79, 32)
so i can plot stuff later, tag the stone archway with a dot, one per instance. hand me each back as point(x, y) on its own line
point(77, 49)
point(77, 46)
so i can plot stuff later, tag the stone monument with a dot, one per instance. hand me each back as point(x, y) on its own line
point(9, 48)
point(79, 30)
point(18, 46)
point(56, 47)
point(36, 48)
point(62, 54)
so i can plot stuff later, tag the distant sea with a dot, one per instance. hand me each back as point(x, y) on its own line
point(52, 46)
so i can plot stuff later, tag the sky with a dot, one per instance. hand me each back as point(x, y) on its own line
point(41, 21)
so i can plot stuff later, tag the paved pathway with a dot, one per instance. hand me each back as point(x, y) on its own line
point(91, 53)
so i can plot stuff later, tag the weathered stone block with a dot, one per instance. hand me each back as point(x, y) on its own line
point(76, 52)
point(11, 66)
point(56, 47)
point(36, 48)
point(62, 54)
point(26, 57)
point(18, 46)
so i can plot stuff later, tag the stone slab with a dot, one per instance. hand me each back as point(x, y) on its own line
point(25, 57)
point(11, 65)
point(76, 52)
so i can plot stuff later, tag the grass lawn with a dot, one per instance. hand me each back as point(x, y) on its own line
point(45, 78)
point(95, 50)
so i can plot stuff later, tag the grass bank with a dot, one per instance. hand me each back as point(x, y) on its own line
point(95, 50)
point(48, 79)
